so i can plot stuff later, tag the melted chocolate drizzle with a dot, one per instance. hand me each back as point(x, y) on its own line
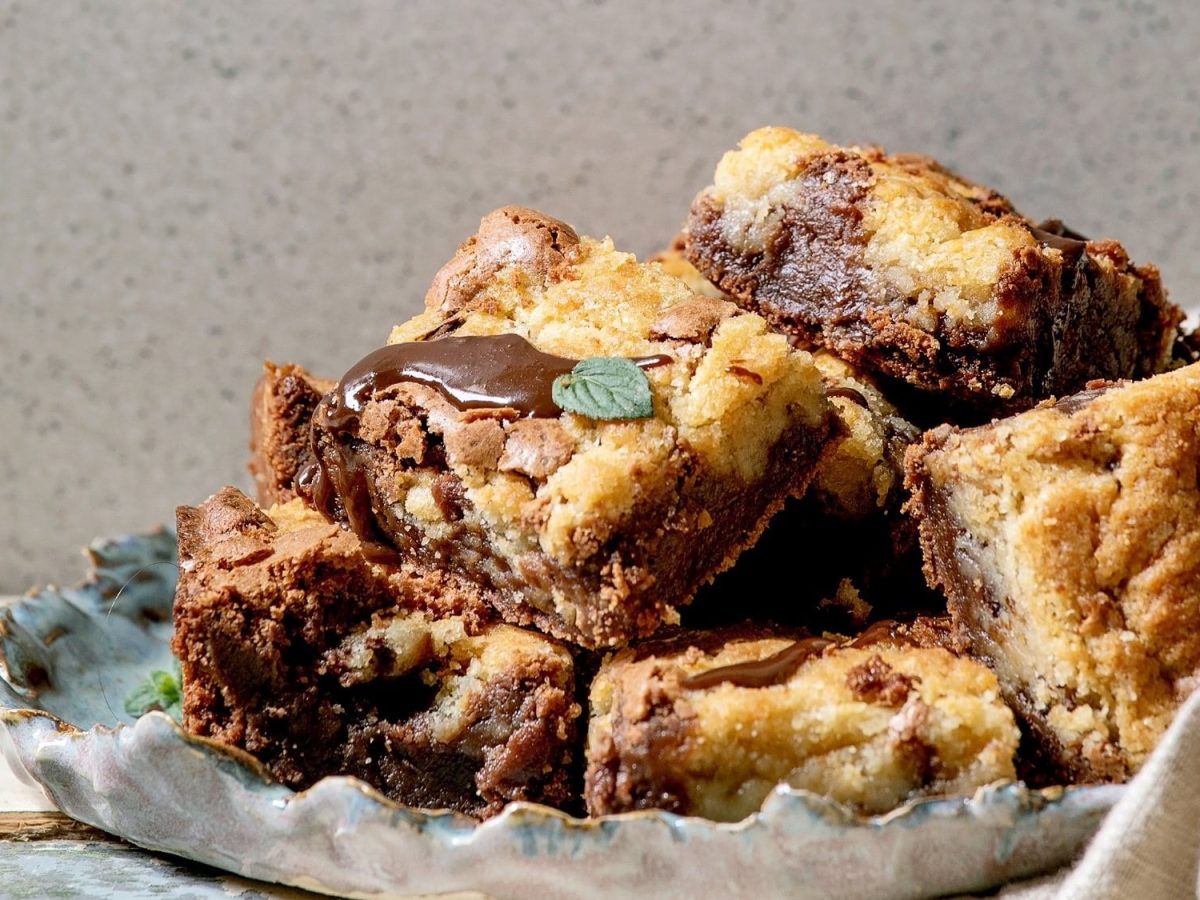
point(501, 371)
point(848, 393)
point(759, 673)
point(885, 631)
point(1053, 233)
point(781, 666)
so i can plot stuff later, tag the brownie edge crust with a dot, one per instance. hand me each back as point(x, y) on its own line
point(297, 649)
point(285, 399)
point(901, 267)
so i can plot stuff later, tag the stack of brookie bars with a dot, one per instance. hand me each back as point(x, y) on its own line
point(611, 535)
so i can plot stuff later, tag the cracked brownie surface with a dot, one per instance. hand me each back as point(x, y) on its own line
point(300, 650)
point(907, 270)
point(595, 531)
point(282, 408)
point(1067, 540)
point(707, 723)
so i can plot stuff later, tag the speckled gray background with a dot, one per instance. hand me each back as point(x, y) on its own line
point(190, 187)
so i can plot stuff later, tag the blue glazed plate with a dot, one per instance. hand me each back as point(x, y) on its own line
point(69, 657)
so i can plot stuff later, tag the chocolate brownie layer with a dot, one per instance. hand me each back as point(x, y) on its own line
point(707, 723)
point(1067, 540)
point(448, 446)
point(905, 269)
point(298, 649)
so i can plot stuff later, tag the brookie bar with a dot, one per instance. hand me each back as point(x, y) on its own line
point(848, 528)
point(300, 650)
point(708, 723)
point(449, 445)
point(1067, 540)
point(904, 269)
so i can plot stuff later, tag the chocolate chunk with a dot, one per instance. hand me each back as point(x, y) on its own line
point(1053, 234)
point(876, 682)
point(449, 496)
point(536, 447)
point(692, 320)
point(743, 373)
point(849, 393)
point(759, 673)
point(477, 443)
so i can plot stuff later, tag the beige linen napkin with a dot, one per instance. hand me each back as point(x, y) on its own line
point(1149, 845)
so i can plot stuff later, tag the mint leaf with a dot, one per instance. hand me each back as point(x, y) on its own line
point(159, 690)
point(604, 387)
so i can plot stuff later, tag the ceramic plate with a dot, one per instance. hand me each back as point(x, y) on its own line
point(68, 658)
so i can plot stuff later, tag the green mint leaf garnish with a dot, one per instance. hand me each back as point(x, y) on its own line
point(159, 690)
point(604, 387)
